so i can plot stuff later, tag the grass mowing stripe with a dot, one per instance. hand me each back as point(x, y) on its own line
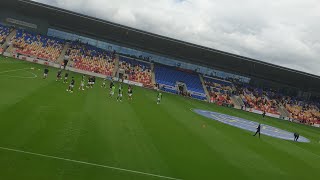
point(88, 163)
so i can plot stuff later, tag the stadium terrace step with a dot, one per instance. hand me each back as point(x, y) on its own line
point(153, 74)
point(5, 36)
point(116, 67)
point(8, 39)
point(236, 103)
point(239, 100)
point(204, 87)
point(63, 53)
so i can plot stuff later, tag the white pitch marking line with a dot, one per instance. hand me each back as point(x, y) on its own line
point(88, 163)
point(34, 75)
point(13, 70)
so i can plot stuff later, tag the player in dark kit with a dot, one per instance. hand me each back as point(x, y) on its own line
point(296, 136)
point(59, 75)
point(111, 85)
point(89, 82)
point(93, 81)
point(66, 75)
point(130, 92)
point(45, 74)
point(258, 130)
point(264, 114)
point(71, 86)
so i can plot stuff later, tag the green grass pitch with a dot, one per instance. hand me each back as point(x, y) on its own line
point(48, 133)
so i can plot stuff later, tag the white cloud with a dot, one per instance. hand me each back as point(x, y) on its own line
point(282, 32)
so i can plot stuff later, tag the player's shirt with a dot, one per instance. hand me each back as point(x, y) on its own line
point(259, 127)
point(93, 79)
point(59, 74)
point(66, 75)
point(130, 91)
point(111, 84)
point(120, 90)
point(46, 71)
point(72, 82)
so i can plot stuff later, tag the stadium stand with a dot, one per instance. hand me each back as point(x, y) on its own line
point(4, 32)
point(43, 47)
point(259, 99)
point(168, 77)
point(136, 71)
point(89, 58)
point(220, 91)
point(305, 112)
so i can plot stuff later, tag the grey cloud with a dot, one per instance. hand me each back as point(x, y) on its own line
point(285, 32)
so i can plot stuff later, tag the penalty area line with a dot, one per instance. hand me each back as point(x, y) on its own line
point(88, 163)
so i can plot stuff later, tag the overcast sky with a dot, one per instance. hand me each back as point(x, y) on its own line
point(282, 32)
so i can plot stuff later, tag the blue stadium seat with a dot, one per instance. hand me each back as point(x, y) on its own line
point(170, 76)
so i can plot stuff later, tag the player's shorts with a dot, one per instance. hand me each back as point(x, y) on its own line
point(82, 84)
point(45, 74)
point(130, 94)
point(65, 78)
point(71, 86)
point(159, 99)
point(120, 95)
point(104, 83)
point(92, 82)
point(112, 93)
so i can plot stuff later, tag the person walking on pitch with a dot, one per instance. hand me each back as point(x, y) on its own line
point(258, 130)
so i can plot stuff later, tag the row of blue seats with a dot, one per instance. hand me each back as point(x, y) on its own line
point(4, 30)
point(170, 76)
